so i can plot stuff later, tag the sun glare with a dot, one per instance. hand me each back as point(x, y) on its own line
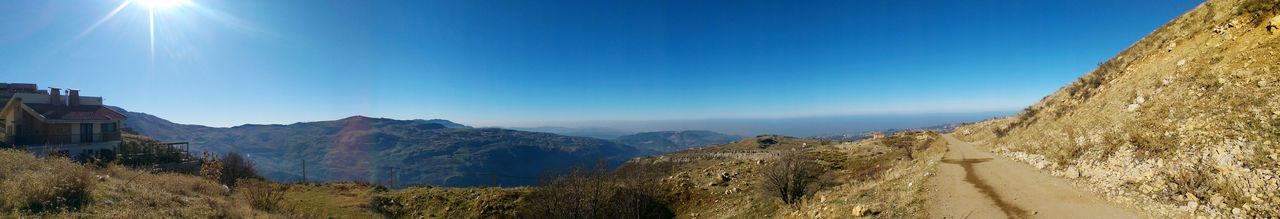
point(162, 4)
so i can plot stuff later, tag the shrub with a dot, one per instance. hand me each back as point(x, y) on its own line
point(630, 192)
point(260, 194)
point(766, 142)
point(792, 177)
point(1258, 10)
point(906, 142)
point(210, 167)
point(34, 185)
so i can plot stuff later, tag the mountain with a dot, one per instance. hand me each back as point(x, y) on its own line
point(376, 149)
point(592, 132)
point(1187, 118)
point(669, 141)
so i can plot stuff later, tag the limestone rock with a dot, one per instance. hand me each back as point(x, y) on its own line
point(859, 211)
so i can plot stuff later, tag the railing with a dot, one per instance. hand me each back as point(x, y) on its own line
point(65, 139)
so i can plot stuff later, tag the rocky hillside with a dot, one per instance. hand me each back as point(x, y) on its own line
point(872, 177)
point(385, 151)
point(669, 141)
point(1185, 121)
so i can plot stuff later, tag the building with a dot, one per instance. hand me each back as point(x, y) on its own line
point(47, 121)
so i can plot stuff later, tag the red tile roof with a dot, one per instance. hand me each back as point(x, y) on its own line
point(56, 112)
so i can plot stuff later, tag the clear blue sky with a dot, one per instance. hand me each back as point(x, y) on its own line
point(481, 62)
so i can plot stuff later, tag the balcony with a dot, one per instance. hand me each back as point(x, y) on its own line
point(31, 140)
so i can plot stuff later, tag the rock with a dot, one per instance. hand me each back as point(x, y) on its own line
point(1141, 100)
point(1274, 25)
point(1071, 172)
point(1182, 62)
point(1132, 107)
point(859, 211)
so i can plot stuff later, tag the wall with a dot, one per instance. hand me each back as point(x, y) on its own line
point(33, 98)
point(90, 101)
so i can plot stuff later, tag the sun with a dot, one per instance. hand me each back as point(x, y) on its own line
point(162, 4)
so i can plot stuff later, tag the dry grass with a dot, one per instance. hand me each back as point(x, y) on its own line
point(36, 186)
point(337, 200)
point(432, 202)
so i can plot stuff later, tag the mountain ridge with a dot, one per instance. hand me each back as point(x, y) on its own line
point(381, 150)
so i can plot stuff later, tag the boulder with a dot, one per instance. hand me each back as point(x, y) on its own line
point(859, 211)
point(1274, 24)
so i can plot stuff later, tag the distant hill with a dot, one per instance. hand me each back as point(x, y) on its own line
point(593, 132)
point(372, 149)
point(669, 141)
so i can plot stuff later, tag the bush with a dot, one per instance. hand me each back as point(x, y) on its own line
point(1258, 10)
point(631, 192)
point(260, 194)
point(34, 185)
point(792, 177)
point(906, 142)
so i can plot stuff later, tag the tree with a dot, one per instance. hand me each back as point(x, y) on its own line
point(236, 167)
point(792, 177)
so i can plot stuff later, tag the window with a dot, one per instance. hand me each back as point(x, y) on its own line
point(108, 127)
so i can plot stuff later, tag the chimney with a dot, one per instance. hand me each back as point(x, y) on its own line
point(73, 97)
point(55, 96)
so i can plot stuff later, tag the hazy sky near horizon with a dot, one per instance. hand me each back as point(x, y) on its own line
point(502, 63)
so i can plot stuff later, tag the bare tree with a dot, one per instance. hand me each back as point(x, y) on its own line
point(235, 167)
point(792, 177)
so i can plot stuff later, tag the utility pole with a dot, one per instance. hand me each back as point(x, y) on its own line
point(304, 171)
point(393, 177)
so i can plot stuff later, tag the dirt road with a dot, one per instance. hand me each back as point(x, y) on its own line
point(971, 183)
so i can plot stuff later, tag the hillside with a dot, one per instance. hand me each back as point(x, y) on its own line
point(871, 177)
point(1183, 122)
point(669, 141)
point(372, 149)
